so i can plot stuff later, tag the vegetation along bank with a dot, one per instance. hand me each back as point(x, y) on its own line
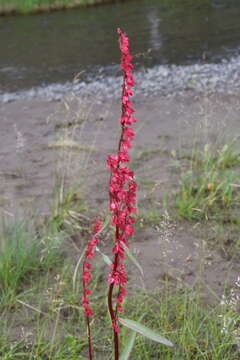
point(11, 7)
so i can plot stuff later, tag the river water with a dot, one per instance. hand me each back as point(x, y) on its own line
point(52, 48)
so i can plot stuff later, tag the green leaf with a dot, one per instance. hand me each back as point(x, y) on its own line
point(76, 269)
point(143, 330)
point(106, 259)
point(132, 257)
point(129, 346)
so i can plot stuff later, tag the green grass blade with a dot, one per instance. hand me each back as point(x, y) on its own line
point(133, 259)
point(143, 330)
point(74, 279)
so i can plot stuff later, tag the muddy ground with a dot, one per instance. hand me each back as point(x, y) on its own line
point(44, 143)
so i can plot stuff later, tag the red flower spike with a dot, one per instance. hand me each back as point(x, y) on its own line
point(122, 190)
point(86, 275)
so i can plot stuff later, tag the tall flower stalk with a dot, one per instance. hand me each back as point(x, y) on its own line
point(122, 192)
point(122, 201)
point(86, 277)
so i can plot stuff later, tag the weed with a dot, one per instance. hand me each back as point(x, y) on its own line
point(195, 328)
point(149, 217)
point(68, 209)
point(208, 188)
point(23, 254)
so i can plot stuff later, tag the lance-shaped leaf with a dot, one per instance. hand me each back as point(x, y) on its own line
point(129, 346)
point(143, 330)
point(106, 259)
point(125, 355)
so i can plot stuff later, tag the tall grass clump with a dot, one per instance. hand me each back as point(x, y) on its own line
point(197, 329)
point(209, 185)
point(23, 255)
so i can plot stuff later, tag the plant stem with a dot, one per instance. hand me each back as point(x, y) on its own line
point(90, 355)
point(89, 339)
point(112, 313)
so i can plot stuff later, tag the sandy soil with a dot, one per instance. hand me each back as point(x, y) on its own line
point(43, 142)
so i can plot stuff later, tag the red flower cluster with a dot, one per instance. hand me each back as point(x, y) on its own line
point(86, 276)
point(122, 187)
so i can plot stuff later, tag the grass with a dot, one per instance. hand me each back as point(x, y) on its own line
point(208, 194)
point(150, 217)
point(209, 185)
point(178, 314)
point(40, 309)
point(68, 209)
point(28, 6)
point(41, 313)
point(23, 255)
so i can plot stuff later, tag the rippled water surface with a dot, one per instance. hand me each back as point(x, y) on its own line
point(52, 48)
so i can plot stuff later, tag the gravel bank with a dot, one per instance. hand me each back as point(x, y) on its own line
point(160, 80)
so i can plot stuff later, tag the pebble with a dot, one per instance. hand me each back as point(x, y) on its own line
point(162, 80)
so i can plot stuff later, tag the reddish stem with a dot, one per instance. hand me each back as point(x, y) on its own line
point(113, 318)
point(111, 310)
point(89, 339)
point(90, 354)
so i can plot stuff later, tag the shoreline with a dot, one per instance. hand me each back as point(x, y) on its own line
point(160, 80)
point(13, 10)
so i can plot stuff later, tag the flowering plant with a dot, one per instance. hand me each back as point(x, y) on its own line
point(122, 200)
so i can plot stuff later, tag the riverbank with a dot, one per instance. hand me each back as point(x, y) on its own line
point(14, 7)
point(11, 7)
point(48, 146)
